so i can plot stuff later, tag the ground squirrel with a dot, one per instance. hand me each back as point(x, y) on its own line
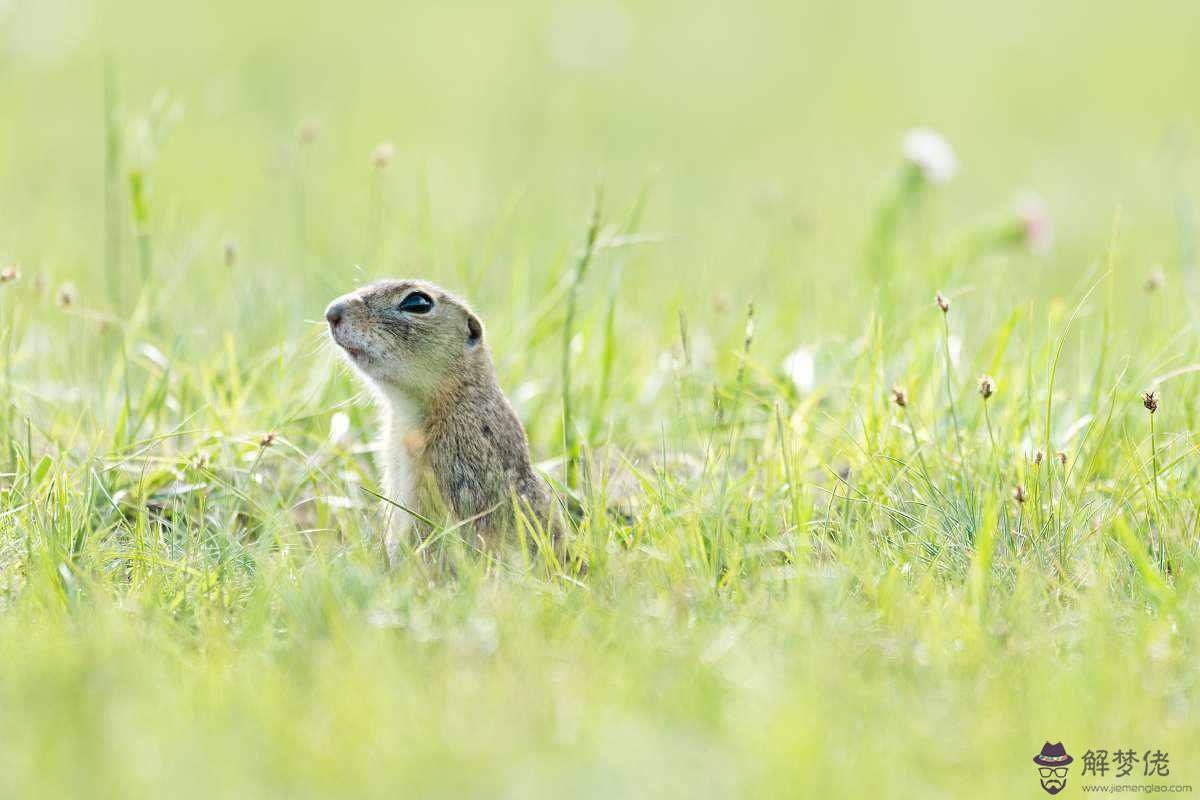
point(446, 421)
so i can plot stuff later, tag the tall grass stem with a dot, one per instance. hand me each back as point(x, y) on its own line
point(112, 186)
point(570, 436)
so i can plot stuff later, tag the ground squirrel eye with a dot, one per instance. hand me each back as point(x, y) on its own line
point(416, 303)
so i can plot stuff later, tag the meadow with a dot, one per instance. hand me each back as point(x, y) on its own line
point(938, 407)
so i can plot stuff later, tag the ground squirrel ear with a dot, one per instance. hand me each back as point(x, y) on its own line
point(474, 329)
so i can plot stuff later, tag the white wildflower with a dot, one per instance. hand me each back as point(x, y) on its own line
point(800, 367)
point(931, 153)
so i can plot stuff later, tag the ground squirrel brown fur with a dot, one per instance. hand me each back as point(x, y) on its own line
point(446, 421)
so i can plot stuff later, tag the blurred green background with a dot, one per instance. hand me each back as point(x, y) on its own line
point(770, 131)
point(167, 624)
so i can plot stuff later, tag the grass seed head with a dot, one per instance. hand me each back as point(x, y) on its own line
point(1150, 400)
point(10, 274)
point(1037, 227)
point(1019, 494)
point(1156, 280)
point(267, 441)
point(987, 386)
point(1037, 458)
point(66, 295)
point(1062, 458)
point(382, 155)
point(942, 303)
point(310, 129)
point(899, 396)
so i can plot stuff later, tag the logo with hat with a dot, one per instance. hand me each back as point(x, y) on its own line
point(1052, 767)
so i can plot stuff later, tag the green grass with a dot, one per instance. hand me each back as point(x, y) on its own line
point(842, 599)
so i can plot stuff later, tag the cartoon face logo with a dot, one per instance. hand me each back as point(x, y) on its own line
point(1052, 767)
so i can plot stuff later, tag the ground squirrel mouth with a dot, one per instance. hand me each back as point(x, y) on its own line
point(357, 353)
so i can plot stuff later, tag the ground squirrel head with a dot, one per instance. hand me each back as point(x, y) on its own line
point(408, 336)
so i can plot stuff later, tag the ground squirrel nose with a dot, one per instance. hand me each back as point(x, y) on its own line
point(334, 313)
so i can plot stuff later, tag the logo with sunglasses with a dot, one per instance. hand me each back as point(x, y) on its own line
point(1052, 767)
